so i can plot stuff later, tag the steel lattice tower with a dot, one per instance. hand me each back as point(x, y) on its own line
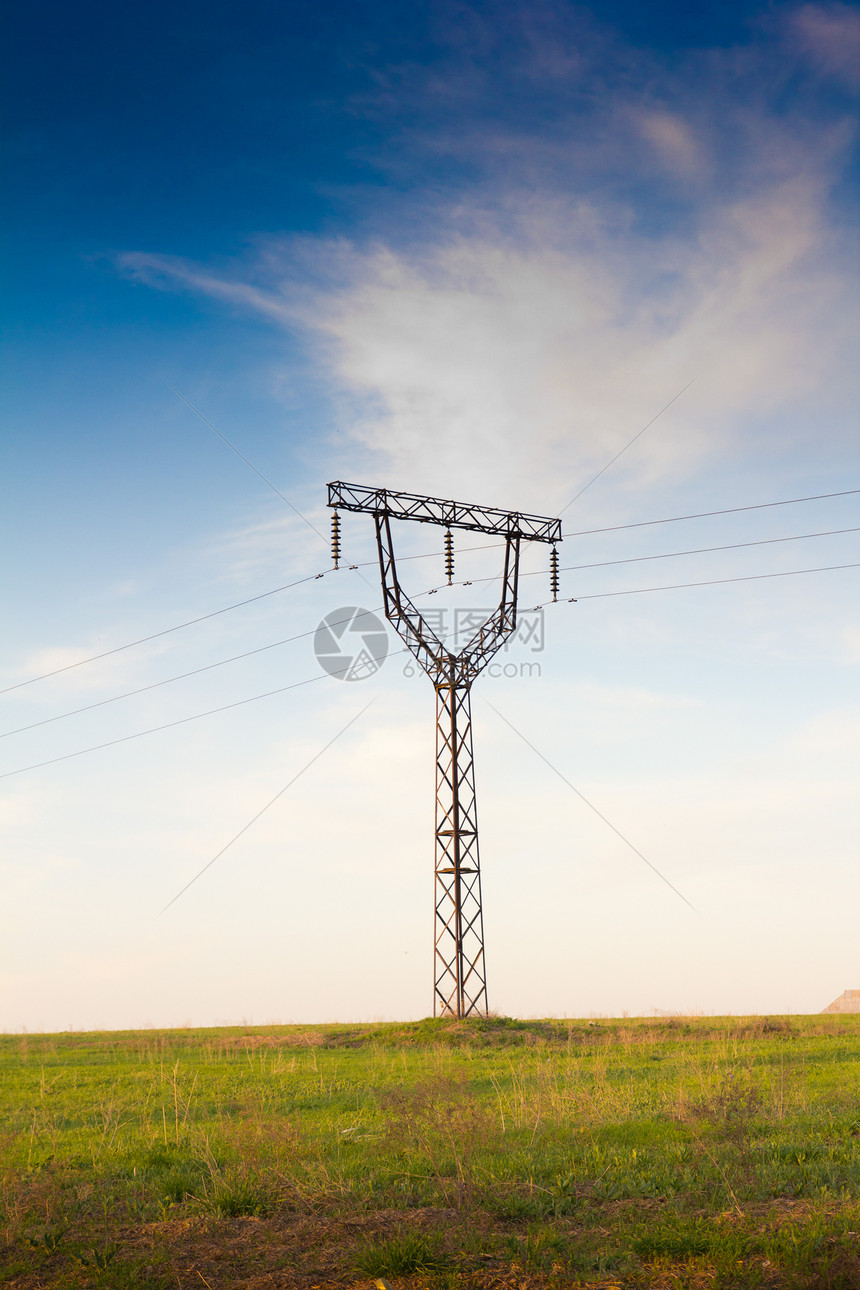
point(459, 976)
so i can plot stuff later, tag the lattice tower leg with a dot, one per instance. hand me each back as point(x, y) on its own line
point(459, 968)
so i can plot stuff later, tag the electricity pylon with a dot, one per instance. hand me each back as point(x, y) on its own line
point(459, 976)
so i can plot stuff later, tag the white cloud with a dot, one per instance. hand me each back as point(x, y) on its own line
point(517, 362)
point(673, 141)
point(166, 271)
point(66, 661)
point(523, 341)
point(516, 359)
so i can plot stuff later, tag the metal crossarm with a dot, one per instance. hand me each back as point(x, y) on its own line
point(434, 510)
point(459, 976)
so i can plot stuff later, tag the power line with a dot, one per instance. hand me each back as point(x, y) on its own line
point(256, 471)
point(602, 564)
point(169, 725)
point(248, 463)
point(676, 586)
point(118, 649)
point(791, 501)
point(702, 550)
point(668, 555)
point(630, 591)
point(591, 806)
point(712, 582)
point(278, 795)
point(622, 451)
point(701, 515)
point(672, 519)
point(111, 743)
point(182, 676)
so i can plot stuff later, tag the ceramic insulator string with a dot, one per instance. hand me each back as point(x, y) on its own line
point(553, 574)
point(449, 556)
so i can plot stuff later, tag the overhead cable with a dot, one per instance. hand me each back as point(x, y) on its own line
point(702, 550)
point(242, 457)
point(94, 658)
point(182, 676)
point(702, 515)
point(602, 564)
point(629, 444)
point(256, 471)
point(169, 725)
point(261, 649)
point(142, 640)
point(591, 806)
point(271, 802)
point(630, 591)
point(570, 568)
point(714, 582)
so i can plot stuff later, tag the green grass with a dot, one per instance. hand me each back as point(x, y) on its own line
point(398, 1255)
point(721, 1151)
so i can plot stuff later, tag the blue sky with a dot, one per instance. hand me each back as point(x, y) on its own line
point(470, 250)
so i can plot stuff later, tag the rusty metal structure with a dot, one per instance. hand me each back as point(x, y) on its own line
point(459, 976)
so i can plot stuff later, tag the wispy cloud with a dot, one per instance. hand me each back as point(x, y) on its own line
point(829, 36)
point(620, 228)
point(167, 272)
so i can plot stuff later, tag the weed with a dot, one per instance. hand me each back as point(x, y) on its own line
point(234, 1198)
point(519, 1206)
point(399, 1256)
point(49, 1238)
point(542, 1249)
point(444, 1122)
point(677, 1243)
point(178, 1184)
point(98, 1257)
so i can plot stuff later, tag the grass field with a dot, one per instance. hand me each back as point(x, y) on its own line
point(648, 1153)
